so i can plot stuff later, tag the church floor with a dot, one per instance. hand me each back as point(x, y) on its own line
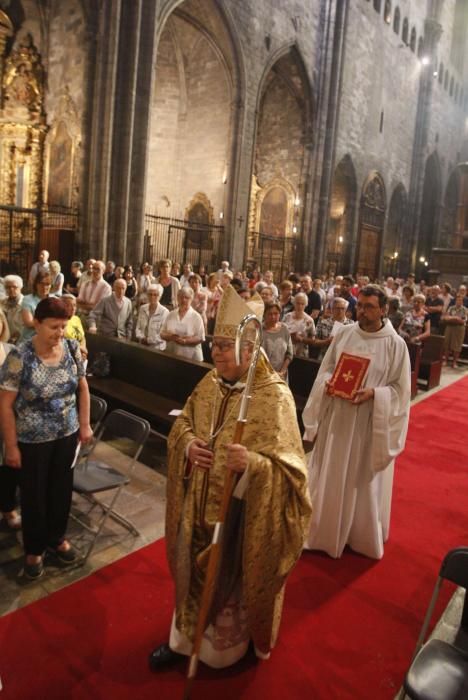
point(143, 502)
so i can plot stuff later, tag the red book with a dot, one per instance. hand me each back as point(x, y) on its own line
point(349, 375)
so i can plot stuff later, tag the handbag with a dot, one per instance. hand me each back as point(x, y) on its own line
point(100, 366)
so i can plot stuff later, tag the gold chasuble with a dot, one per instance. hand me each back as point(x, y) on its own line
point(268, 519)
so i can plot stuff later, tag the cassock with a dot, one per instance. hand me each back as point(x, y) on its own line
point(351, 465)
point(266, 525)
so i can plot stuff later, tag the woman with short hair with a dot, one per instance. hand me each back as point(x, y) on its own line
point(183, 328)
point(277, 340)
point(42, 426)
point(41, 287)
point(300, 325)
point(169, 283)
point(151, 317)
point(200, 299)
point(416, 324)
point(56, 278)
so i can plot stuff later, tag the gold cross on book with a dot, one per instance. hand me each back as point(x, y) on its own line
point(348, 376)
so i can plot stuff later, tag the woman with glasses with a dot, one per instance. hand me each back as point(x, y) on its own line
point(41, 287)
point(183, 328)
point(416, 324)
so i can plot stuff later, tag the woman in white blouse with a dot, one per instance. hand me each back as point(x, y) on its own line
point(183, 328)
point(151, 317)
point(300, 325)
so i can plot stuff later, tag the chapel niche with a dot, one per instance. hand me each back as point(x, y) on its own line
point(372, 217)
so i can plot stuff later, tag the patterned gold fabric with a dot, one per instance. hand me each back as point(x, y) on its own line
point(276, 502)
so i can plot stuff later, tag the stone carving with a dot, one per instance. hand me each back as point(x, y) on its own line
point(23, 80)
point(374, 195)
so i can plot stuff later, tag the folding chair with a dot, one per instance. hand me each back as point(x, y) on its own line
point(98, 409)
point(439, 670)
point(92, 476)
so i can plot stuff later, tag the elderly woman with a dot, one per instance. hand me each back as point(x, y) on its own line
point(183, 328)
point(200, 299)
point(286, 299)
point(214, 294)
point(151, 317)
point(300, 325)
point(40, 290)
point(8, 475)
point(74, 329)
point(455, 319)
point(277, 340)
point(56, 278)
point(11, 305)
point(145, 279)
point(416, 324)
point(407, 295)
point(131, 291)
point(326, 327)
point(169, 283)
point(41, 429)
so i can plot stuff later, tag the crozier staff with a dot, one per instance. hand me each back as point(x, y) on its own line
point(264, 532)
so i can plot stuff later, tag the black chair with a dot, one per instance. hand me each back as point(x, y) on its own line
point(93, 476)
point(98, 410)
point(439, 670)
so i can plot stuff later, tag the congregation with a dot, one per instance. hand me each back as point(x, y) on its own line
point(171, 308)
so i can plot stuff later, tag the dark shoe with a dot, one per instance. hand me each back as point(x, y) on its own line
point(66, 556)
point(163, 657)
point(33, 572)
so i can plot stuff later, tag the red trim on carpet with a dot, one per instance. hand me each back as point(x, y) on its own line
point(349, 626)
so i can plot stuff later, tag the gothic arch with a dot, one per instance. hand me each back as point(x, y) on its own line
point(283, 131)
point(371, 224)
point(339, 240)
point(196, 85)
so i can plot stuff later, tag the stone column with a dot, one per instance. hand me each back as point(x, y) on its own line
point(331, 71)
point(100, 123)
point(432, 34)
point(119, 129)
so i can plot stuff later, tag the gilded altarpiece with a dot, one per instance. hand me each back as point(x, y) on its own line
point(22, 127)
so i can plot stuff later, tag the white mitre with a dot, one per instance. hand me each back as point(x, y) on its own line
point(233, 309)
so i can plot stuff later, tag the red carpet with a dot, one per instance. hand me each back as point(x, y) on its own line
point(348, 629)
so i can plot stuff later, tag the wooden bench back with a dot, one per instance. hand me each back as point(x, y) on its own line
point(164, 374)
point(433, 349)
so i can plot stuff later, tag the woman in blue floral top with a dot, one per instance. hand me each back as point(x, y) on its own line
point(41, 427)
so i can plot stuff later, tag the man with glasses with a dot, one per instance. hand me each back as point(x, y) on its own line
point(93, 291)
point(356, 441)
point(11, 305)
point(268, 516)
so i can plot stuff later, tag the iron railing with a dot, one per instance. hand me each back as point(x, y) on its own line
point(20, 234)
point(279, 254)
point(182, 241)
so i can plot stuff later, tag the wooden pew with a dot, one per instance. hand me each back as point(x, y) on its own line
point(147, 382)
point(430, 367)
point(302, 373)
point(414, 351)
